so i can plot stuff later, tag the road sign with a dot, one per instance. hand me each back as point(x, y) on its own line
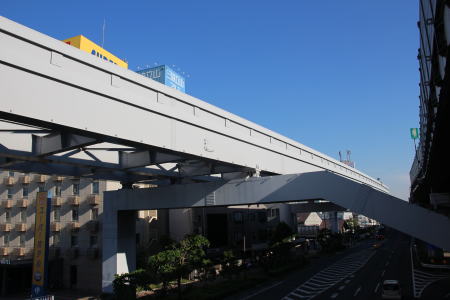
point(40, 257)
point(414, 133)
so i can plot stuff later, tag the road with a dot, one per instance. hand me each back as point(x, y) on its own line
point(356, 273)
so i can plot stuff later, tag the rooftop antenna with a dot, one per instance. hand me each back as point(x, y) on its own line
point(340, 156)
point(348, 155)
point(103, 31)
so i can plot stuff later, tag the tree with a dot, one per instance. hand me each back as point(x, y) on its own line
point(180, 260)
point(281, 232)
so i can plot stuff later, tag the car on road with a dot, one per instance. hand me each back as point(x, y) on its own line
point(391, 290)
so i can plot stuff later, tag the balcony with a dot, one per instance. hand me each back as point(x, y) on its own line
point(22, 227)
point(55, 252)
point(58, 178)
point(9, 181)
point(23, 203)
point(40, 178)
point(20, 251)
point(93, 226)
point(55, 227)
point(25, 179)
point(74, 252)
point(93, 253)
point(74, 200)
point(7, 203)
point(4, 251)
point(74, 226)
point(94, 199)
point(6, 227)
point(56, 201)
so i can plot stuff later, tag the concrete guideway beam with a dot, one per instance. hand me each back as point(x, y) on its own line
point(38, 72)
point(410, 219)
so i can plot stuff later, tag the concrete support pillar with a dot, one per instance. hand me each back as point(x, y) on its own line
point(119, 243)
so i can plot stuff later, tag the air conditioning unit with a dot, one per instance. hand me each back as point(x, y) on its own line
point(55, 227)
point(23, 202)
point(20, 251)
point(9, 180)
point(25, 179)
point(4, 251)
point(40, 178)
point(94, 199)
point(75, 226)
point(56, 201)
point(21, 227)
point(58, 178)
point(7, 203)
point(6, 227)
point(74, 200)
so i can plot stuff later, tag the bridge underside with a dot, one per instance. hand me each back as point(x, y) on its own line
point(120, 207)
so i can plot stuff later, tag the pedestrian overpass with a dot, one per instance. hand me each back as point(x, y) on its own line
point(86, 117)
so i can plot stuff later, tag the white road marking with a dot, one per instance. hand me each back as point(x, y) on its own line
point(357, 291)
point(382, 274)
point(376, 289)
point(330, 276)
point(347, 281)
point(263, 290)
point(341, 287)
point(387, 264)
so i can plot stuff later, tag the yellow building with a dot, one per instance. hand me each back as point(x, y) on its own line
point(89, 46)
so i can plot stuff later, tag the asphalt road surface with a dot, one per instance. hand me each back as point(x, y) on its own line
point(356, 273)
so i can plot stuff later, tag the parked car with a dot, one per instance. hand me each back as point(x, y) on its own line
point(391, 290)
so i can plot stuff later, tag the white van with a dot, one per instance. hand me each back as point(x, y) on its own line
point(391, 290)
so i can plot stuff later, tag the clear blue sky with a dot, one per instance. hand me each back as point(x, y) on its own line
point(333, 75)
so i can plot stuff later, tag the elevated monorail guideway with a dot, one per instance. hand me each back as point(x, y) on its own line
point(90, 118)
point(82, 101)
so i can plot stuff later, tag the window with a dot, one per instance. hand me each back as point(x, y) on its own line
point(41, 188)
point(7, 216)
point(93, 241)
point(95, 187)
point(6, 239)
point(76, 188)
point(22, 240)
point(56, 214)
point(74, 241)
point(56, 238)
point(23, 215)
point(11, 173)
point(10, 193)
point(94, 213)
point(237, 217)
point(25, 192)
point(58, 190)
point(74, 214)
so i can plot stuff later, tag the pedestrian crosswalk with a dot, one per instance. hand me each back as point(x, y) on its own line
point(328, 277)
point(422, 279)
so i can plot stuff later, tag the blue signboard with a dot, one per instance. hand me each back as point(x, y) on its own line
point(165, 75)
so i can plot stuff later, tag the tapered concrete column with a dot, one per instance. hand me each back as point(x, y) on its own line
point(119, 242)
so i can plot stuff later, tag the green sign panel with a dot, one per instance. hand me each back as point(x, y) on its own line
point(414, 133)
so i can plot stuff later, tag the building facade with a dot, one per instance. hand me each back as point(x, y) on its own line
point(75, 229)
point(429, 172)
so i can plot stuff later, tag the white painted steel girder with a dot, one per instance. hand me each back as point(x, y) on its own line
point(45, 81)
